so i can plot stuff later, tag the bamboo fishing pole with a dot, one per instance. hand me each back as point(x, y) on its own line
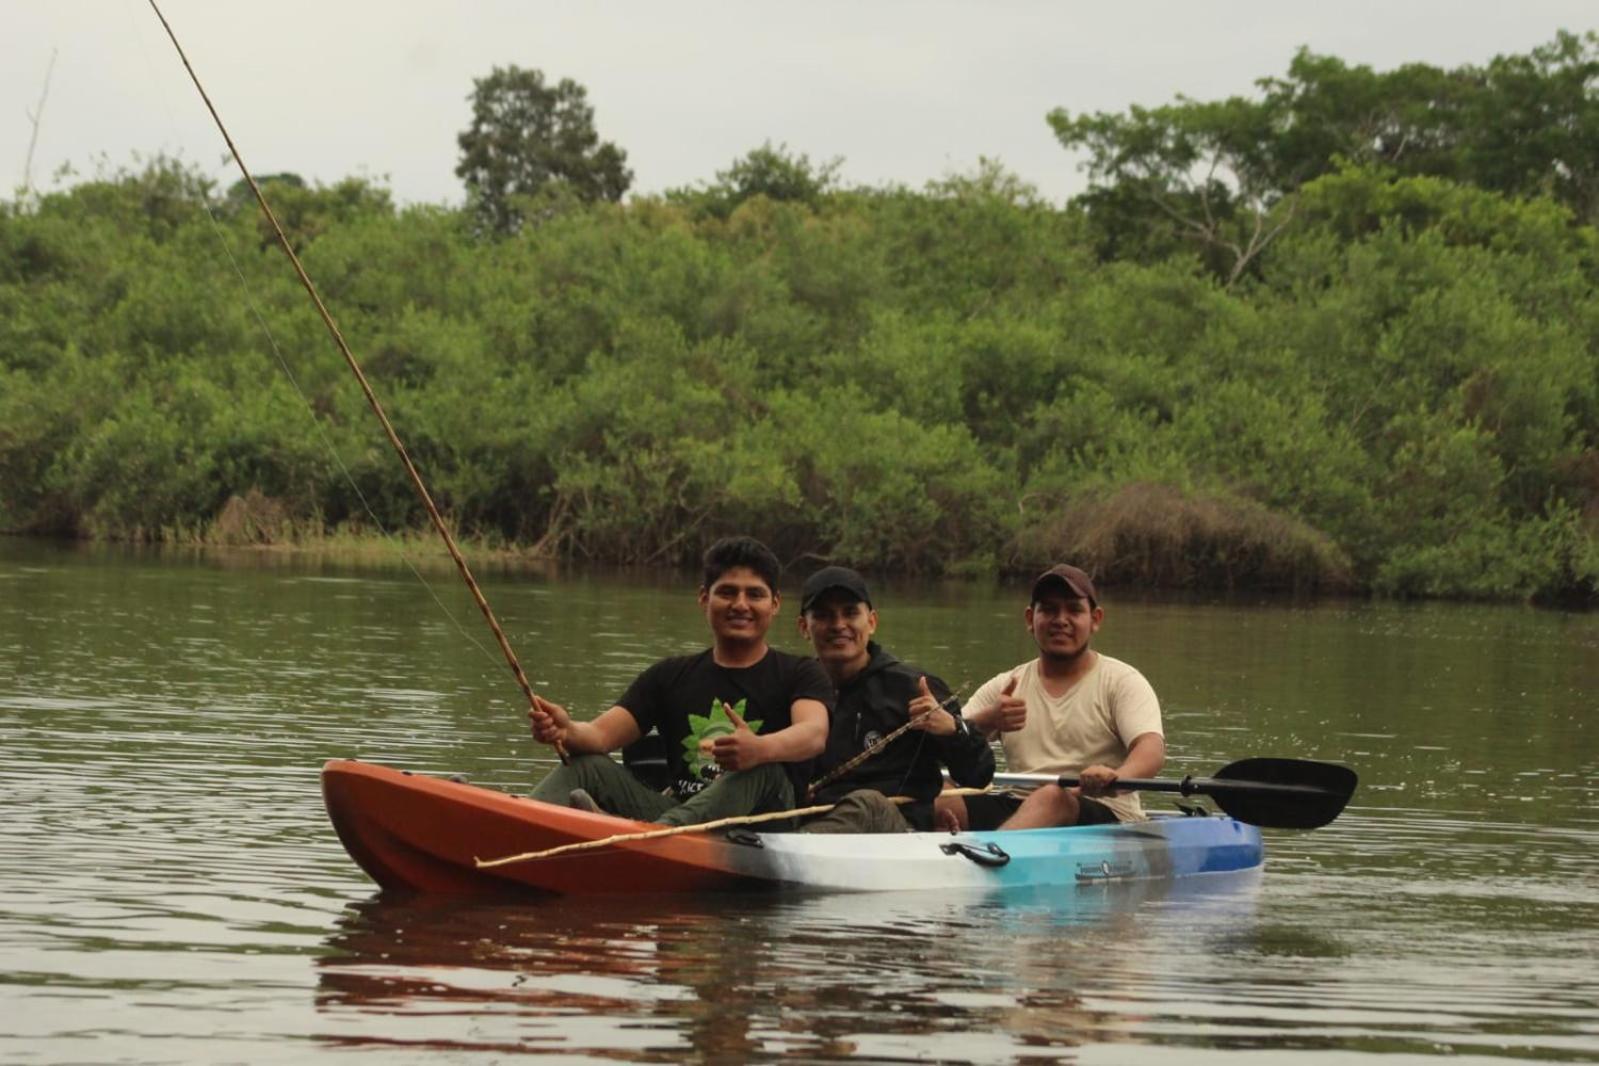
point(883, 742)
point(699, 827)
point(366, 388)
point(839, 771)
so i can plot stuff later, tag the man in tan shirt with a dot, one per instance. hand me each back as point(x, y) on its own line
point(1071, 710)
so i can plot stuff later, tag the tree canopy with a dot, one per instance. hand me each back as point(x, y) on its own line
point(1222, 176)
point(528, 136)
point(773, 172)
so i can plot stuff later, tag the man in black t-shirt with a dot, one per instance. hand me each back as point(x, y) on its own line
point(741, 721)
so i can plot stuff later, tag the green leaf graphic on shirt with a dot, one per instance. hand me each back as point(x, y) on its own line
point(702, 729)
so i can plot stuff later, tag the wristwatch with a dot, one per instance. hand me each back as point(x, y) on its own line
point(952, 708)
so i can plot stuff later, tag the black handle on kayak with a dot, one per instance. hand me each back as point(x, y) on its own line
point(990, 854)
point(1276, 793)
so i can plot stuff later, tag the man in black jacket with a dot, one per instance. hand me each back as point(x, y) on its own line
point(877, 696)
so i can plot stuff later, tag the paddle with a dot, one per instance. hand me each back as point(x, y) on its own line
point(1275, 793)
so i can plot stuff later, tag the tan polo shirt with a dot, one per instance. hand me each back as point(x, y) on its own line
point(1094, 722)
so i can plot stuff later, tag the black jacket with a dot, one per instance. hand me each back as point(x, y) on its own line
point(873, 704)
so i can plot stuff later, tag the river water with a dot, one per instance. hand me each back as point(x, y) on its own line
point(171, 891)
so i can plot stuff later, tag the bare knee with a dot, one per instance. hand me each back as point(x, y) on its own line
point(950, 815)
point(1049, 805)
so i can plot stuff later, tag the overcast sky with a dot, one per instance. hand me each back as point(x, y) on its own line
point(903, 92)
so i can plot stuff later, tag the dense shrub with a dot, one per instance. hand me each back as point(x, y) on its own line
point(1402, 395)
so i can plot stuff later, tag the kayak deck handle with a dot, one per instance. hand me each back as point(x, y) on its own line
point(990, 855)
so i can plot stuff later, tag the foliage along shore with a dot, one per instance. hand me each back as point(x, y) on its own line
point(1398, 392)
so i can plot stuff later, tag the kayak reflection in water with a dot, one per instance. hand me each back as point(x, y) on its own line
point(1072, 710)
point(879, 696)
point(741, 721)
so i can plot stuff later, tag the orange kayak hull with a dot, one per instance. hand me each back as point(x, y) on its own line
point(415, 833)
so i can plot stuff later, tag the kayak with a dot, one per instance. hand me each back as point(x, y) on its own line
point(419, 834)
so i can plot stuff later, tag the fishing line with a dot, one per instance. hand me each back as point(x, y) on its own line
point(327, 441)
point(277, 352)
point(371, 397)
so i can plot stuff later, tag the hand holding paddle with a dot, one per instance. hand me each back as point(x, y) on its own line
point(742, 749)
point(1098, 781)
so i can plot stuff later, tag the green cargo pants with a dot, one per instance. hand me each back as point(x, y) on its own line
point(862, 811)
point(616, 790)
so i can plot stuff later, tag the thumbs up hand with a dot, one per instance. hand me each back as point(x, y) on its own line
point(741, 749)
point(1006, 715)
point(927, 714)
point(1012, 708)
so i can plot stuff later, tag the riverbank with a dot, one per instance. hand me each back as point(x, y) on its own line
point(420, 551)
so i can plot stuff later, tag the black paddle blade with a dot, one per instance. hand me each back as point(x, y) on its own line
point(1280, 793)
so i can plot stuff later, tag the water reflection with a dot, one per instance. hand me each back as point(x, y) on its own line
point(913, 974)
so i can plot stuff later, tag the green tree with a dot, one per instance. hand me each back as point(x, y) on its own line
point(240, 198)
point(1535, 126)
point(527, 136)
point(304, 211)
point(1188, 172)
point(1224, 175)
point(775, 173)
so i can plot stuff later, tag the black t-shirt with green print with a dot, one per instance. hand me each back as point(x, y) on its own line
point(681, 699)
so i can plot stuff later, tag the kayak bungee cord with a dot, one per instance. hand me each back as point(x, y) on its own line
point(360, 377)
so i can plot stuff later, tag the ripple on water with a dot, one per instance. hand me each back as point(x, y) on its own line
point(169, 882)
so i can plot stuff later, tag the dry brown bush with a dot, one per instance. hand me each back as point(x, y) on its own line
point(254, 518)
point(1162, 535)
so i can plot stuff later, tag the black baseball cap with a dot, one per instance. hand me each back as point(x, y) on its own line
point(829, 578)
point(1077, 583)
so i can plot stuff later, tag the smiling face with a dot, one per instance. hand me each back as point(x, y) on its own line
point(740, 606)
point(1063, 623)
point(840, 627)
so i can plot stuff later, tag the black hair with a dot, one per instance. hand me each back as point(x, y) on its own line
point(730, 552)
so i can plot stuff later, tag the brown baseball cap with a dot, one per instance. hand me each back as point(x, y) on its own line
point(1076, 582)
